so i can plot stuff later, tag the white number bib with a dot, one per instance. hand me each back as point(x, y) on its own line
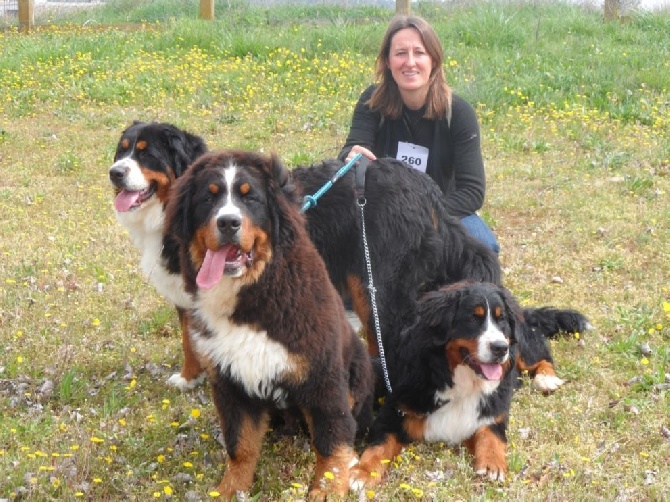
point(414, 155)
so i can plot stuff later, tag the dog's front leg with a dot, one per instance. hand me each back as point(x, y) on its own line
point(387, 438)
point(192, 374)
point(488, 445)
point(333, 430)
point(244, 426)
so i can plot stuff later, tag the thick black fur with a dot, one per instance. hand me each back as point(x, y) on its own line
point(415, 246)
point(452, 331)
point(278, 304)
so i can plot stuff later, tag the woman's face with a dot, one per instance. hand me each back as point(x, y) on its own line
point(410, 65)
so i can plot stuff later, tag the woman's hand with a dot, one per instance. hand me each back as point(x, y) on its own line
point(362, 150)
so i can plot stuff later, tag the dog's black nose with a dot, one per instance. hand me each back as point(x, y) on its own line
point(116, 173)
point(228, 225)
point(499, 349)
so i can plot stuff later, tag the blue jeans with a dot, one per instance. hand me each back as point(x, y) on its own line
point(481, 231)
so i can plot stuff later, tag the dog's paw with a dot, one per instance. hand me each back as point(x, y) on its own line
point(182, 384)
point(316, 494)
point(360, 477)
point(494, 473)
point(547, 383)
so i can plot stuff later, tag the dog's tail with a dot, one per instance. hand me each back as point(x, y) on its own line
point(551, 321)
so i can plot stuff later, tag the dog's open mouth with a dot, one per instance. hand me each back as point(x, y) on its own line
point(488, 371)
point(132, 199)
point(229, 260)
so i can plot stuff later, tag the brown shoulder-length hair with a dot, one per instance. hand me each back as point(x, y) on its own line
point(386, 97)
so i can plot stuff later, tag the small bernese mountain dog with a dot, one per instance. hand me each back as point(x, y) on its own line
point(149, 158)
point(267, 324)
point(452, 375)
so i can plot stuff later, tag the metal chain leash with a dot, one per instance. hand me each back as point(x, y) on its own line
point(373, 300)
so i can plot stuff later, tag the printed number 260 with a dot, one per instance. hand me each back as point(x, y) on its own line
point(412, 161)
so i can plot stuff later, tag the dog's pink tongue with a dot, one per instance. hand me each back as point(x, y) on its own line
point(492, 371)
point(125, 200)
point(212, 268)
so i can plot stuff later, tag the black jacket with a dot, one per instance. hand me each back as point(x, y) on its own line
point(455, 160)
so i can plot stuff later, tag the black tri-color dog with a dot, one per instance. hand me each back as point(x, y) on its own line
point(267, 324)
point(452, 375)
point(149, 158)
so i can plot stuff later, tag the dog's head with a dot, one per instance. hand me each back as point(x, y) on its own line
point(149, 158)
point(226, 214)
point(475, 323)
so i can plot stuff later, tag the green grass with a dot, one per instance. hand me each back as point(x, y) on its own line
point(576, 136)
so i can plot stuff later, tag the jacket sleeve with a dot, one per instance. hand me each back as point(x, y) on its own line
point(364, 126)
point(467, 162)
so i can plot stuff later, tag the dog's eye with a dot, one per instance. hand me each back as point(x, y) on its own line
point(245, 189)
point(479, 312)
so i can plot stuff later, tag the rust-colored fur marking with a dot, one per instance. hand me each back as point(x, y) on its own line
point(375, 461)
point(414, 425)
point(162, 181)
point(359, 300)
point(242, 462)
point(191, 368)
point(489, 452)
point(453, 350)
point(337, 465)
point(542, 367)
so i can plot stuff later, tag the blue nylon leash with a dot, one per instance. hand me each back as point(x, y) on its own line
point(309, 201)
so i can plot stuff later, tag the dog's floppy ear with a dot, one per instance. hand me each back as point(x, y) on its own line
point(177, 218)
point(282, 177)
point(278, 171)
point(437, 310)
point(185, 147)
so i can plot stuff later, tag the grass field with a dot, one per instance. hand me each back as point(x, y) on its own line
point(575, 116)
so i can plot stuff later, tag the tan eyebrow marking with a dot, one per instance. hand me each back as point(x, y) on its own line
point(141, 145)
point(479, 311)
point(245, 188)
point(497, 312)
point(125, 143)
point(214, 188)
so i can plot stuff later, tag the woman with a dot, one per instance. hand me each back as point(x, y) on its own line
point(412, 115)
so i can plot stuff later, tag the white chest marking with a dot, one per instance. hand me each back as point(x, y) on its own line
point(459, 418)
point(145, 226)
point(251, 358)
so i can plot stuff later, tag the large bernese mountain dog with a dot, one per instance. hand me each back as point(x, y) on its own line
point(267, 324)
point(415, 246)
point(149, 158)
point(452, 375)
